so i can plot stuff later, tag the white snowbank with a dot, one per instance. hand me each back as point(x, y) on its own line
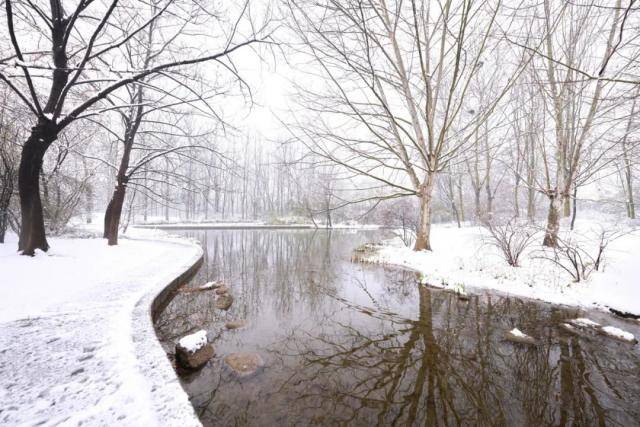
point(77, 335)
point(193, 342)
point(463, 257)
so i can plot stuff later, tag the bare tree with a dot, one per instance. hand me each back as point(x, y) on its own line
point(574, 104)
point(85, 41)
point(398, 76)
point(8, 172)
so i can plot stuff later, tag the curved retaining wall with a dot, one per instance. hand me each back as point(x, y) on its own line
point(170, 402)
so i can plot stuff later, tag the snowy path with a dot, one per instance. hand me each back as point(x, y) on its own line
point(76, 339)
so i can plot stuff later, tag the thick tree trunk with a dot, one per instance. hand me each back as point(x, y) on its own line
point(114, 214)
point(32, 231)
point(553, 222)
point(423, 235)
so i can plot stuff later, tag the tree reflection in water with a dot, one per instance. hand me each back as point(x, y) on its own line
point(361, 345)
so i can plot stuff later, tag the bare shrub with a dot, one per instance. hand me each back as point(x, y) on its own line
point(402, 216)
point(512, 238)
point(580, 254)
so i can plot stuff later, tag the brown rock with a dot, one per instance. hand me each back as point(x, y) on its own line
point(196, 360)
point(244, 364)
point(236, 324)
point(222, 289)
point(224, 301)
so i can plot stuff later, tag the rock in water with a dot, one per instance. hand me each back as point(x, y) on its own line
point(236, 324)
point(222, 289)
point(516, 335)
point(224, 301)
point(194, 351)
point(244, 364)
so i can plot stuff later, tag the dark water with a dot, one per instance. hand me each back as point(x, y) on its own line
point(351, 344)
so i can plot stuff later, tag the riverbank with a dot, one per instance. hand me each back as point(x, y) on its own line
point(76, 336)
point(464, 258)
point(250, 226)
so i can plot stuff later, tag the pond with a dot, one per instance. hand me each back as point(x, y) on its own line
point(353, 344)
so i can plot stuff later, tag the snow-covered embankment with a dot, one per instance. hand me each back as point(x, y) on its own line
point(462, 258)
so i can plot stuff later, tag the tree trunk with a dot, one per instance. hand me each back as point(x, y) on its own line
point(531, 204)
point(423, 235)
point(32, 231)
point(574, 213)
point(553, 222)
point(476, 192)
point(5, 200)
point(114, 213)
point(566, 205)
point(516, 197)
point(460, 199)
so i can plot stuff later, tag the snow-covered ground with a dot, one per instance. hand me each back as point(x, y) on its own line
point(463, 258)
point(77, 344)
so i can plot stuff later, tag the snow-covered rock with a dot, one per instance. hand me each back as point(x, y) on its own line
point(610, 331)
point(210, 285)
point(618, 333)
point(193, 351)
point(193, 342)
point(516, 335)
point(583, 322)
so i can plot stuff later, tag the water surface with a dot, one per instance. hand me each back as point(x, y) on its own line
point(353, 344)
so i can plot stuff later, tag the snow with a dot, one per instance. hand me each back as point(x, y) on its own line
point(618, 333)
point(193, 342)
point(463, 256)
point(77, 342)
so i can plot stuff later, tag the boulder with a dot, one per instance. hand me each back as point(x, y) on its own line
point(193, 351)
point(224, 301)
point(244, 364)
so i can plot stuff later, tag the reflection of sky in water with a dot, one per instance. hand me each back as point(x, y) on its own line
point(355, 344)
